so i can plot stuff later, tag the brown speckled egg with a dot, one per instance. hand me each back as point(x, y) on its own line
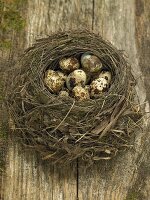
point(80, 93)
point(107, 75)
point(98, 86)
point(69, 64)
point(63, 94)
point(62, 75)
point(77, 77)
point(54, 80)
point(91, 63)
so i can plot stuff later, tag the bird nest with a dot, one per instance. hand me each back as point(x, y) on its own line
point(63, 129)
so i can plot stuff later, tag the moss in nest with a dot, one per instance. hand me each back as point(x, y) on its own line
point(64, 129)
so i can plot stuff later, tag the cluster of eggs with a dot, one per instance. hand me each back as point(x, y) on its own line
point(81, 80)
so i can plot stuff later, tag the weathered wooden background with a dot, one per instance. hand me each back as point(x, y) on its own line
point(126, 23)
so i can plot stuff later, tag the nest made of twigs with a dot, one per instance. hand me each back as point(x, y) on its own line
point(65, 129)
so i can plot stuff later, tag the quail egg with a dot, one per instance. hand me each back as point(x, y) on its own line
point(54, 80)
point(77, 77)
point(98, 86)
point(91, 63)
point(80, 93)
point(107, 75)
point(69, 64)
point(63, 93)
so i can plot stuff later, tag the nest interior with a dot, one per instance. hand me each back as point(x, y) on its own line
point(64, 129)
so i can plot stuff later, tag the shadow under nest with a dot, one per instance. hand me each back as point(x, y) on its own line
point(64, 129)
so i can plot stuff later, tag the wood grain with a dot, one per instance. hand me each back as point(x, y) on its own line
point(45, 17)
point(118, 178)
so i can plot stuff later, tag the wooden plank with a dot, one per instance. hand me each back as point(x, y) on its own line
point(26, 177)
point(45, 17)
point(123, 177)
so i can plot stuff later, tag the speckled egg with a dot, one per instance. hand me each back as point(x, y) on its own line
point(69, 64)
point(54, 80)
point(80, 93)
point(64, 94)
point(98, 86)
point(91, 63)
point(77, 77)
point(107, 75)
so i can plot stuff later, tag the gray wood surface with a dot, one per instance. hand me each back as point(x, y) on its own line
point(126, 24)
